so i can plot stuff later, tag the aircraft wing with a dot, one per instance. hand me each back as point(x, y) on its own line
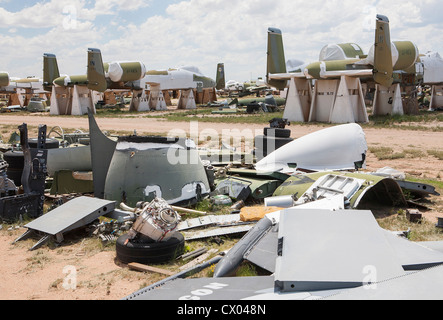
point(349, 73)
point(286, 76)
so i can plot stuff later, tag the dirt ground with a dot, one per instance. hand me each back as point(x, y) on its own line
point(46, 274)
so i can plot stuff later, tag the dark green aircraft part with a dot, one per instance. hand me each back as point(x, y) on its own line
point(276, 62)
point(4, 80)
point(351, 50)
point(375, 191)
point(207, 82)
point(80, 80)
point(220, 81)
point(96, 79)
point(334, 65)
point(50, 70)
point(383, 68)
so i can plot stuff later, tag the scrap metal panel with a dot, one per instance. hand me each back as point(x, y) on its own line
point(322, 249)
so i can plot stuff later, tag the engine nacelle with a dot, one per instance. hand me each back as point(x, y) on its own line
point(125, 71)
point(4, 79)
point(404, 55)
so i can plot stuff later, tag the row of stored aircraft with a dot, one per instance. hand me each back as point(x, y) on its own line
point(387, 62)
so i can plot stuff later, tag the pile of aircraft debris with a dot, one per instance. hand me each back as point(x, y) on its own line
point(313, 232)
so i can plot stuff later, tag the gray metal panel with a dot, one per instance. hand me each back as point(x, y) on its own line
point(264, 253)
point(412, 255)
point(324, 250)
point(209, 289)
point(73, 214)
point(221, 231)
point(208, 220)
point(421, 285)
point(434, 245)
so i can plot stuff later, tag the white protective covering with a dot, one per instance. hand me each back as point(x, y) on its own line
point(335, 52)
point(294, 64)
point(433, 68)
point(395, 54)
point(115, 71)
point(335, 148)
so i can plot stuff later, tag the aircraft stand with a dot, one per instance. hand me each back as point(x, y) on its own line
point(139, 101)
point(338, 101)
point(387, 101)
point(71, 101)
point(186, 99)
point(298, 100)
point(436, 97)
point(156, 99)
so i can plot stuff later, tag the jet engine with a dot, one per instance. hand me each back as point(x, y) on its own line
point(125, 71)
point(404, 55)
point(4, 79)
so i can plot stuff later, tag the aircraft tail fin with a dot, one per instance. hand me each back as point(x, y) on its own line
point(96, 73)
point(276, 62)
point(50, 70)
point(383, 69)
point(220, 81)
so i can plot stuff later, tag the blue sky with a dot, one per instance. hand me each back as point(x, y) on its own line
point(165, 34)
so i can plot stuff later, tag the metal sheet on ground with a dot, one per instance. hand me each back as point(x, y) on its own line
point(77, 212)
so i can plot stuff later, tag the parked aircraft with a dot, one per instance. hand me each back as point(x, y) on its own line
point(100, 76)
point(378, 66)
point(126, 75)
point(11, 84)
point(233, 87)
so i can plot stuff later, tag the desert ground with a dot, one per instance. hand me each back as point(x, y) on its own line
point(44, 274)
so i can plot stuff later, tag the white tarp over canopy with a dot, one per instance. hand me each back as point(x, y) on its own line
point(433, 68)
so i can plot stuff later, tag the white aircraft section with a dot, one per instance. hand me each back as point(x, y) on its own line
point(335, 148)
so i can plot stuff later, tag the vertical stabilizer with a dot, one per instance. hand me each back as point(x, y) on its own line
point(276, 62)
point(383, 69)
point(220, 80)
point(50, 70)
point(96, 73)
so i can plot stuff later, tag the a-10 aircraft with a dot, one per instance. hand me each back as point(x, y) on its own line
point(387, 62)
point(235, 88)
point(126, 75)
point(385, 59)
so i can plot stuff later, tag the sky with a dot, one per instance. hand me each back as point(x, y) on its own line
point(165, 34)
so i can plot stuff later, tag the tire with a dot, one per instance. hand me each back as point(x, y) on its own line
point(149, 252)
point(277, 132)
point(15, 159)
point(50, 143)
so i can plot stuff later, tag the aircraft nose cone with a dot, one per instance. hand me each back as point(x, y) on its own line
point(59, 82)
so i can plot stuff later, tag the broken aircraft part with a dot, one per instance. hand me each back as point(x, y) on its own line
point(137, 169)
point(375, 191)
point(341, 147)
point(33, 179)
point(157, 220)
point(74, 214)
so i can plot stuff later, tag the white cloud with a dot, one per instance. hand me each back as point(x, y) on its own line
point(206, 32)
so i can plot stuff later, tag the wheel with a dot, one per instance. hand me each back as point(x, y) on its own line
point(277, 132)
point(51, 143)
point(147, 252)
point(15, 159)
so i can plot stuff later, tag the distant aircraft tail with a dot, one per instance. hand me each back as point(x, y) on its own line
point(220, 81)
point(96, 73)
point(276, 62)
point(50, 70)
point(383, 69)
